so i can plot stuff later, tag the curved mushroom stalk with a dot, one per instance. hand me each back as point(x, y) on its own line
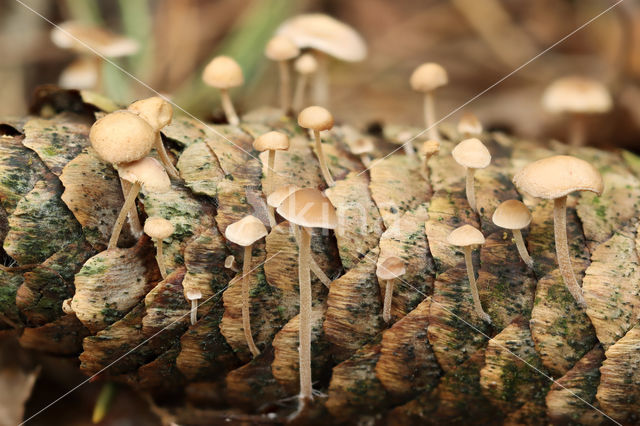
point(562, 250)
point(134, 219)
point(474, 288)
point(165, 159)
point(160, 258)
point(305, 315)
point(129, 202)
point(227, 106)
point(522, 249)
point(321, 80)
point(194, 296)
point(326, 174)
point(246, 319)
point(388, 297)
point(470, 188)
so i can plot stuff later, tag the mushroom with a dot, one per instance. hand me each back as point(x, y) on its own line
point(472, 155)
point(281, 49)
point(272, 142)
point(426, 79)
point(245, 233)
point(387, 271)
point(577, 96)
point(147, 172)
point(230, 263)
point(159, 229)
point(81, 74)
point(223, 73)
point(514, 215)
point(554, 178)
point(469, 125)
point(307, 208)
point(465, 237)
point(362, 147)
point(194, 295)
point(317, 119)
point(428, 150)
point(158, 113)
point(305, 65)
point(325, 36)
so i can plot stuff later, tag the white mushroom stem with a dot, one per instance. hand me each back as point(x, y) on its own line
point(298, 95)
point(425, 167)
point(388, 297)
point(474, 288)
point(562, 250)
point(246, 319)
point(409, 149)
point(227, 106)
point(577, 130)
point(430, 116)
point(321, 80)
point(522, 249)
point(285, 86)
point(323, 163)
point(194, 311)
point(304, 333)
point(271, 163)
point(160, 258)
point(134, 219)
point(129, 202)
point(313, 265)
point(366, 160)
point(471, 192)
point(165, 159)
point(99, 74)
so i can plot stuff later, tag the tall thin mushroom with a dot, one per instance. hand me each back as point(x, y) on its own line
point(159, 229)
point(281, 50)
point(387, 271)
point(514, 215)
point(472, 155)
point(305, 66)
point(272, 141)
point(426, 79)
point(224, 73)
point(318, 119)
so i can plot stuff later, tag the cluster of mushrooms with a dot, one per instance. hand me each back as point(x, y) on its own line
point(126, 138)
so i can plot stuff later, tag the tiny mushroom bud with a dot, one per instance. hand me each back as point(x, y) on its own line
point(428, 150)
point(362, 147)
point(230, 263)
point(554, 178)
point(469, 125)
point(159, 229)
point(426, 79)
point(387, 271)
point(245, 232)
point(281, 49)
point(223, 73)
point(514, 215)
point(472, 155)
point(194, 295)
point(305, 65)
point(465, 237)
point(272, 142)
point(317, 119)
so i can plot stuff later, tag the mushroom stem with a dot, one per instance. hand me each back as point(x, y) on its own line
point(246, 320)
point(409, 149)
point(577, 130)
point(366, 160)
point(321, 80)
point(134, 219)
point(313, 265)
point(425, 167)
point(388, 297)
point(304, 332)
point(129, 202)
point(194, 311)
point(285, 86)
point(522, 249)
point(474, 289)
point(430, 116)
point(562, 250)
point(298, 95)
point(164, 158)
point(323, 163)
point(227, 106)
point(271, 162)
point(471, 193)
point(99, 76)
point(160, 258)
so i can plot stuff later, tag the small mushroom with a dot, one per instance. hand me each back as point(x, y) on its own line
point(147, 172)
point(245, 233)
point(307, 208)
point(223, 73)
point(362, 147)
point(230, 263)
point(81, 74)
point(426, 79)
point(472, 155)
point(469, 125)
point(317, 119)
point(579, 97)
point(428, 150)
point(305, 66)
point(159, 229)
point(158, 113)
point(272, 142)
point(281, 50)
point(387, 271)
point(194, 295)
point(554, 178)
point(465, 237)
point(514, 215)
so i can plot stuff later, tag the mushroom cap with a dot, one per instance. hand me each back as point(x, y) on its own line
point(246, 231)
point(154, 110)
point(390, 268)
point(309, 208)
point(315, 118)
point(471, 153)
point(306, 64)
point(577, 94)
point(469, 124)
point(464, 236)
point(281, 48)
point(428, 77)
point(430, 147)
point(84, 38)
point(271, 141)
point(158, 227)
point(80, 74)
point(362, 145)
point(229, 261)
point(148, 172)
point(223, 72)
point(278, 196)
point(326, 34)
point(121, 137)
point(193, 294)
point(557, 176)
point(512, 214)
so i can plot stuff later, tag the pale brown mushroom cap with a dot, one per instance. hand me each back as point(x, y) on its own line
point(430, 147)
point(576, 94)
point(326, 34)
point(121, 137)
point(428, 77)
point(464, 236)
point(306, 64)
point(223, 72)
point(512, 214)
point(471, 153)
point(278, 196)
point(246, 231)
point(193, 294)
point(362, 145)
point(148, 172)
point(390, 268)
point(154, 110)
point(469, 124)
point(80, 74)
point(309, 208)
point(271, 141)
point(85, 38)
point(229, 261)
point(281, 48)
point(315, 118)
point(557, 176)
point(158, 227)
